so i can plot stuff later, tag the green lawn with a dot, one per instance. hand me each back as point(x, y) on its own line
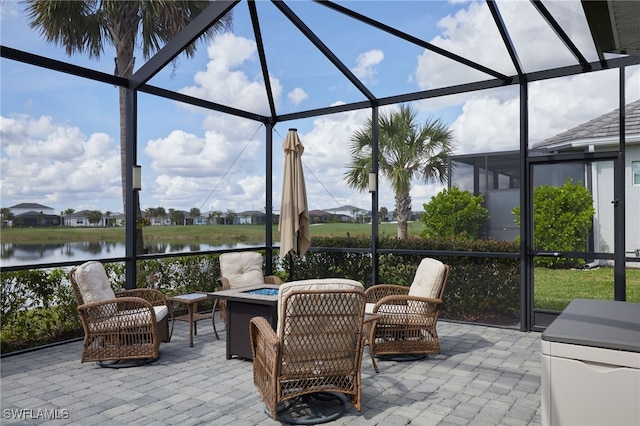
point(194, 233)
point(555, 288)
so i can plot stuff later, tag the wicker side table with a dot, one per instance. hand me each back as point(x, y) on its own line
point(193, 316)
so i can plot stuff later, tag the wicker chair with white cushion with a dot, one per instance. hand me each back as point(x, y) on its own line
point(316, 350)
point(407, 316)
point(242, 269)
point(121, 329)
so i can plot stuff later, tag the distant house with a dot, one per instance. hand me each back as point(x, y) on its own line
point(251, 217)
point(33, 215)
point(159, 221)
point(347, 213)
point(118, 219)
point(194, 220)
point(318, 216)
point(79, 219)
point(30, 207)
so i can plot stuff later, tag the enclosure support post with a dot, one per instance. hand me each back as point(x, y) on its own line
point(131, 195)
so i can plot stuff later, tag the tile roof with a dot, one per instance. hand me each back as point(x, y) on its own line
point(34, 206)
point(606, 126)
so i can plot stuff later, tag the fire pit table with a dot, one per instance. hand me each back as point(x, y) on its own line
point(243, 304)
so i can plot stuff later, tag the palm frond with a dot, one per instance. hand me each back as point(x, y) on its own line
point(71, 24)
point(407, 150)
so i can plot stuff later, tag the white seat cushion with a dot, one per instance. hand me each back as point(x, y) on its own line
point(428, 279)
point(161, 312)
point(368, 308)
point(242, 269)
point(131, 318)
point(93, 282)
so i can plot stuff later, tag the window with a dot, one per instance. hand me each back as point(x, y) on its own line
point(635, 169)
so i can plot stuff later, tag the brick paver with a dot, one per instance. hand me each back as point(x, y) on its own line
point(484, 376)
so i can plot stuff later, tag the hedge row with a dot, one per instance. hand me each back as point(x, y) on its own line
point(38, 306)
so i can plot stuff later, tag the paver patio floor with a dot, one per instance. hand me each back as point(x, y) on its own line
point(484, 376)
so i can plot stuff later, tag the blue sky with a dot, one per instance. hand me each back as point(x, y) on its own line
point(60, 143)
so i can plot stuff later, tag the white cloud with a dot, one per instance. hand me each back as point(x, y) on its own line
point(471, 32)
point(365, 63)
point(229, 155)
point(45, 161)
point(297, 95)
point(191, 167)
point(223, 83)
point(487, 124)
point(325, 159)
point(491, 121)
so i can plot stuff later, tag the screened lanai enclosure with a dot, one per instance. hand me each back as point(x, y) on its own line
point(504, 75)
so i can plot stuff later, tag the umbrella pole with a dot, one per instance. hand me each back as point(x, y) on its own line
point(290, 266)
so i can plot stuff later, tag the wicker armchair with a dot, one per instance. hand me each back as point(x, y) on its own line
point(316, 350)
point(120, 329)
point(407, 316)
point(241, 269)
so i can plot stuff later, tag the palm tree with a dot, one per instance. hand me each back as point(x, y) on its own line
point(406, 151)
point(88, 26)
point(231, 215)
point(382, 214)
point(6, 215)
point(217, 215)
point(68, 212)
point(195, 214)
point(161, 213)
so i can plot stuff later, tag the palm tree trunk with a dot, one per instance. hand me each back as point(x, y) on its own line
point(124, 33)
point(403, 212)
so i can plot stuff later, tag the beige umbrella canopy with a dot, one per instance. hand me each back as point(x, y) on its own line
point(295, 237)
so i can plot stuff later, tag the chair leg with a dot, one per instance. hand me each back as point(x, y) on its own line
point(373, 359)
point(213, 318)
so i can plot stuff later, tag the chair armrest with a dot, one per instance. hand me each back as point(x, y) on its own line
point(264, 344)
point(272, 279)
point(397, 304)
point(374, 293)
point(116, 311)
point(224, 283)
point(151, 295)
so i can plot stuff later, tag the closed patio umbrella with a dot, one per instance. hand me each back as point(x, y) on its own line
point(295, 237)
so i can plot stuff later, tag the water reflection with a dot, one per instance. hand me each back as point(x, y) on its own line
point(25, 254)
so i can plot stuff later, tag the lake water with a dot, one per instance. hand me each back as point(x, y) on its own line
point(28, 254)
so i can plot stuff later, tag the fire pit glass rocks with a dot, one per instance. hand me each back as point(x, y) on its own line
point(263, 291)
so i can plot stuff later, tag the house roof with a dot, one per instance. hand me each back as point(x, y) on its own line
point(612, 25)
point(33, 213)
point(605, 128)
point(347, 208)
point(34, 206)
point(318, 213)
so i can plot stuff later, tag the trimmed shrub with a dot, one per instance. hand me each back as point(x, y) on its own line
point(454, 214)
point(37, 308)
point(38, 305)
point(562, 222)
